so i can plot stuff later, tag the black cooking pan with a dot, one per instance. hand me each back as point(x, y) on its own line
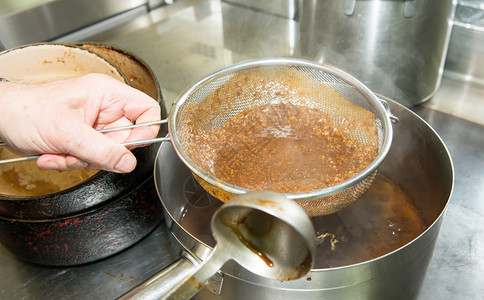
point(87, 236)
point(98, 217)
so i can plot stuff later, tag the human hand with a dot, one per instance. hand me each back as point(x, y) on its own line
point(59, 120)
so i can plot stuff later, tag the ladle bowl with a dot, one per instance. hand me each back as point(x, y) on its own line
point(264, 232)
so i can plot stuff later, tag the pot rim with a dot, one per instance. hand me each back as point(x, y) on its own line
point(132, 56)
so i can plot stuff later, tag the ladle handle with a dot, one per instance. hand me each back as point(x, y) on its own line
point(159, 284)
point(180, 280)
point(191, 285)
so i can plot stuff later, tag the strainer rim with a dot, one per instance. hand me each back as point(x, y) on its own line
point(379, 107)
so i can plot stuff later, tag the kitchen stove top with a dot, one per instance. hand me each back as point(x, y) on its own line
point(186, 41)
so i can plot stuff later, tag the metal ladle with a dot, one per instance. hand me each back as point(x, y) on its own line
point(264, 232)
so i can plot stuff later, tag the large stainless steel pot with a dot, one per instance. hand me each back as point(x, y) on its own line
point(418, 162)
point(396, 48)
point(466, 47)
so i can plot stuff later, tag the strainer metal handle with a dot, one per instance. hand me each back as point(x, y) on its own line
point(133, 143)
point(393, 118)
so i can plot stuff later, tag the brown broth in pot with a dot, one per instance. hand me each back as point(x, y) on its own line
point(26, 179)
point(383, 220)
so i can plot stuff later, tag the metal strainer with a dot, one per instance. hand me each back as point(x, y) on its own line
point(209, 103)
point(212, 101)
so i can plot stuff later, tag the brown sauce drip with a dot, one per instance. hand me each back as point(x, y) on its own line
point(256, 224)
point(253, 248)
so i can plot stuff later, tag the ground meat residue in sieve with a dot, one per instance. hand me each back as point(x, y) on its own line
point(286, 148)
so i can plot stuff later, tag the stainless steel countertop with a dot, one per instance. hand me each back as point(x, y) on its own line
point(29, 21)
point(190, 39)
